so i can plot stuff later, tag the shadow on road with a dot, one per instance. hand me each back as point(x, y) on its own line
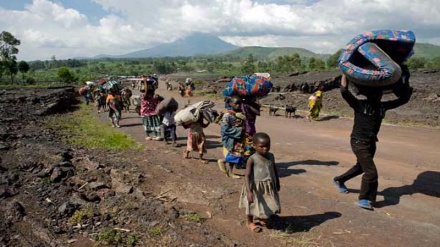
point(292, 224)
point(284, 169)
point(130, 125)
point(427, 183)
point(327, 118)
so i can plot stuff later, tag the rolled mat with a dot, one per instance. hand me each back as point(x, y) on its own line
point(248, 86)
point(373, 59)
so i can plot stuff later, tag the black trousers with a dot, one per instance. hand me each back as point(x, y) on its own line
point(364, 152)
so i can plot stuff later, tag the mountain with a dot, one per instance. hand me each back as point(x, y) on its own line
point(426, 50)
point(205, 44)
point(197, 44)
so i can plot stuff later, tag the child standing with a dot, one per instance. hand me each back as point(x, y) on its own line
point(196, 139)
point(259, 194)
point(168, 126)
point(150, 119)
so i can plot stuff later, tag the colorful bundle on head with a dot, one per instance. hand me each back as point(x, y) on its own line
point(374, 58)
point(248, 86)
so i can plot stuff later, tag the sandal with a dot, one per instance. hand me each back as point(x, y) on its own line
point(254, 228)
point(204, 161)
point(148, 138)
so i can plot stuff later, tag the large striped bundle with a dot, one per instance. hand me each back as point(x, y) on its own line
point(248, 86)
point(373, 58)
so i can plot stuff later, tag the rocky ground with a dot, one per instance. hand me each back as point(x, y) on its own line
point(52, 194)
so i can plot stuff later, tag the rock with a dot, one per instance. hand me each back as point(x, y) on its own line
point(57, 175)
point(14, 211)
point(118, 184)
point(91, 197)
point(68, 208)
point(4, 146)
point(97, 185)
point(4, 193)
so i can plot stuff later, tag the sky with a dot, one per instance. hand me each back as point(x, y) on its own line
point(77, 28)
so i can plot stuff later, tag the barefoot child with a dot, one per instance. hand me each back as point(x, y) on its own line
point(259, 194)
point(196, 139)
point(168, 126)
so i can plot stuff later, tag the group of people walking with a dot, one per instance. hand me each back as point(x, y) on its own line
point(243, 145)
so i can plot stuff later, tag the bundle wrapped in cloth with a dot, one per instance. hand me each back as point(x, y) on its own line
point(166, 104)
point(374, 59)
point(192, 113)
point(254, 85)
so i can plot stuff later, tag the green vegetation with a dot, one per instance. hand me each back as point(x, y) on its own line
point(116, 238)
point(194, 217)
point(86, 212)
point(81, 128)
point(155, 231)
point(242, 61)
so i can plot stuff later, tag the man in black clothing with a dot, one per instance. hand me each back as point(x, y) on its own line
point(368, 115)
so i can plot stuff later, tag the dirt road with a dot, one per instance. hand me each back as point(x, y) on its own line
point(309, 155)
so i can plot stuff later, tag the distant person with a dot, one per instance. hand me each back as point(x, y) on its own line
point(368, 115)
point(259, 195)
point(126, 95)
point(315, 104)
point(114, 103)
point(181, 89)
point(100, 100)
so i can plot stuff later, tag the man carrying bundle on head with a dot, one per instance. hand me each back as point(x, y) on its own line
point(384, 71)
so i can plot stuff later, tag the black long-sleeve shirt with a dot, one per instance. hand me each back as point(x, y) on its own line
point(367, 116)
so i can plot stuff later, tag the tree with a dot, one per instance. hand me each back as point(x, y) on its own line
point(8, 50)
point(11, 67)
point(23, 67)
point(248, 66)
point(332, 61)
point(65, 76)
point(416, 63)
point(316, 64)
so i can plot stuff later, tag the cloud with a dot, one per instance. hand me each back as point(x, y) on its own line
point(47, 28)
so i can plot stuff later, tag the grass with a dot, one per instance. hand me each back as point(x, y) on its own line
point(79, 215)
point(286, 235)
point(194, 217)
point(81, 128)
point(155, 231)
point(116, 238)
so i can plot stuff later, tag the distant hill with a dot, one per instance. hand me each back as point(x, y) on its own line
point(426, 50)
point(197, 44)
point(271, 52)
point(209, 45)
